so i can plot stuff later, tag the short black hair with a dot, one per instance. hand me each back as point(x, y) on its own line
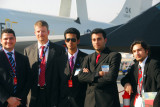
point(142, 43)
point(8, 30)
point(72, 31)
point(99, 30)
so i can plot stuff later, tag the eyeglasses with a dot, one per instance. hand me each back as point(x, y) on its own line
point(72, 39)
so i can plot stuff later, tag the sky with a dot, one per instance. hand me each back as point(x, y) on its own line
point(99, 10)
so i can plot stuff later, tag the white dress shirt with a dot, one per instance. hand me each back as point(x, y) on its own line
point(139, 101)
point(75, 56)
point(40, 49)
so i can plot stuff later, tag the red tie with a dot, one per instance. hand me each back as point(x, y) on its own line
point(98, 56)
point(42, 68)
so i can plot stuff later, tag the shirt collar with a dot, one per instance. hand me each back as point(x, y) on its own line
point(75, 54)
point(143, 63)
point(8, 51)
point(39, 45)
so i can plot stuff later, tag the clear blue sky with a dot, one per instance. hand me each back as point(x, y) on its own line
point(100, 10)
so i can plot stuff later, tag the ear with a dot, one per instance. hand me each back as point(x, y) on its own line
point(105, 40)
point(48, 32)
point(78, 41)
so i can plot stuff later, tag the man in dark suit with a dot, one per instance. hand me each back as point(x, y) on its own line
point(72, 92)
point(143, 76)
point(14, 73)
point(102, 88)
point(42, 57)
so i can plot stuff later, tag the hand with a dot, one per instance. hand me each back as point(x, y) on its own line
point(102, 73)
point(128, 88)
point(85, 70)
point(13, 101)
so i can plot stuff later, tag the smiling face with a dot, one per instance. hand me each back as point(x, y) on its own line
point(139, 52)
point(41, 33)
point(98, 42)
point(8, 41)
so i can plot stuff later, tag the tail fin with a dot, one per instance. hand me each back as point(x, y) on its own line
point(65, 8)
point(82, 13)
point(130, 9)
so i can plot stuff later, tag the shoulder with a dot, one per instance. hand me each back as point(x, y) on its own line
point(19, 55)
point(153, 62)
point(31, 47)
point(82, 53)
point(115, 55)
point(56, 46)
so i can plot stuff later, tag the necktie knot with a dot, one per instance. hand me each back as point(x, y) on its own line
point(71, 58)
point(42, 47)
point(10, 53)
point(98, 56)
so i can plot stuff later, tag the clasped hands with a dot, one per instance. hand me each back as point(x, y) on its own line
point(100, 73)
point(13, 102)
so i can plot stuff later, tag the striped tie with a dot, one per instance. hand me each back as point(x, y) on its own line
point(13, 70)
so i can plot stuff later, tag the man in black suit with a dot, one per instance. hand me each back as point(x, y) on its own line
point(14, 73)
point(143, 76)
point(72, 92)
point(102, 88)
point(42, 57)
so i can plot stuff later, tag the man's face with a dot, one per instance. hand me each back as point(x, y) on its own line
point(8, 41)
point(41, 33)
point(71, 41)
point(139, 52)
point(98, 42)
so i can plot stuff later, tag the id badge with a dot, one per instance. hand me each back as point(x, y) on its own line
point(105, 68)
point(70, 84)
point(15, 81)
point(77, 72)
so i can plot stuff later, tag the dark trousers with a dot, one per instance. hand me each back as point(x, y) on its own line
point(41, 99)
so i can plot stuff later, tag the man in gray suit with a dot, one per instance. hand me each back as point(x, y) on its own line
point(42, 57)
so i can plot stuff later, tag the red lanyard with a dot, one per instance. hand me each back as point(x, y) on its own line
point(14, 72)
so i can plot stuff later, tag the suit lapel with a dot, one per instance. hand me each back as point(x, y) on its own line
point(145, 71)
point(34, 52)
point(77, 62)
point(51, 54)
point(93, 60)
point(136, 72)
point(67, 68)
point(103, 56)
point(17, 64)
point(6, 63)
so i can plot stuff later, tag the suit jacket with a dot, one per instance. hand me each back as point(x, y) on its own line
point(6, 78)
point(50, 76)
point(151, 79)
point(74, 96)
point(101, 91)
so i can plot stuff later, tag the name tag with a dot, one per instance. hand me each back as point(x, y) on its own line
point(105, 68)
point(70, 84)
point(77, 71)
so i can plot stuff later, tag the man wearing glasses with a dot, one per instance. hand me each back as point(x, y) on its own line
point(72, 92)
